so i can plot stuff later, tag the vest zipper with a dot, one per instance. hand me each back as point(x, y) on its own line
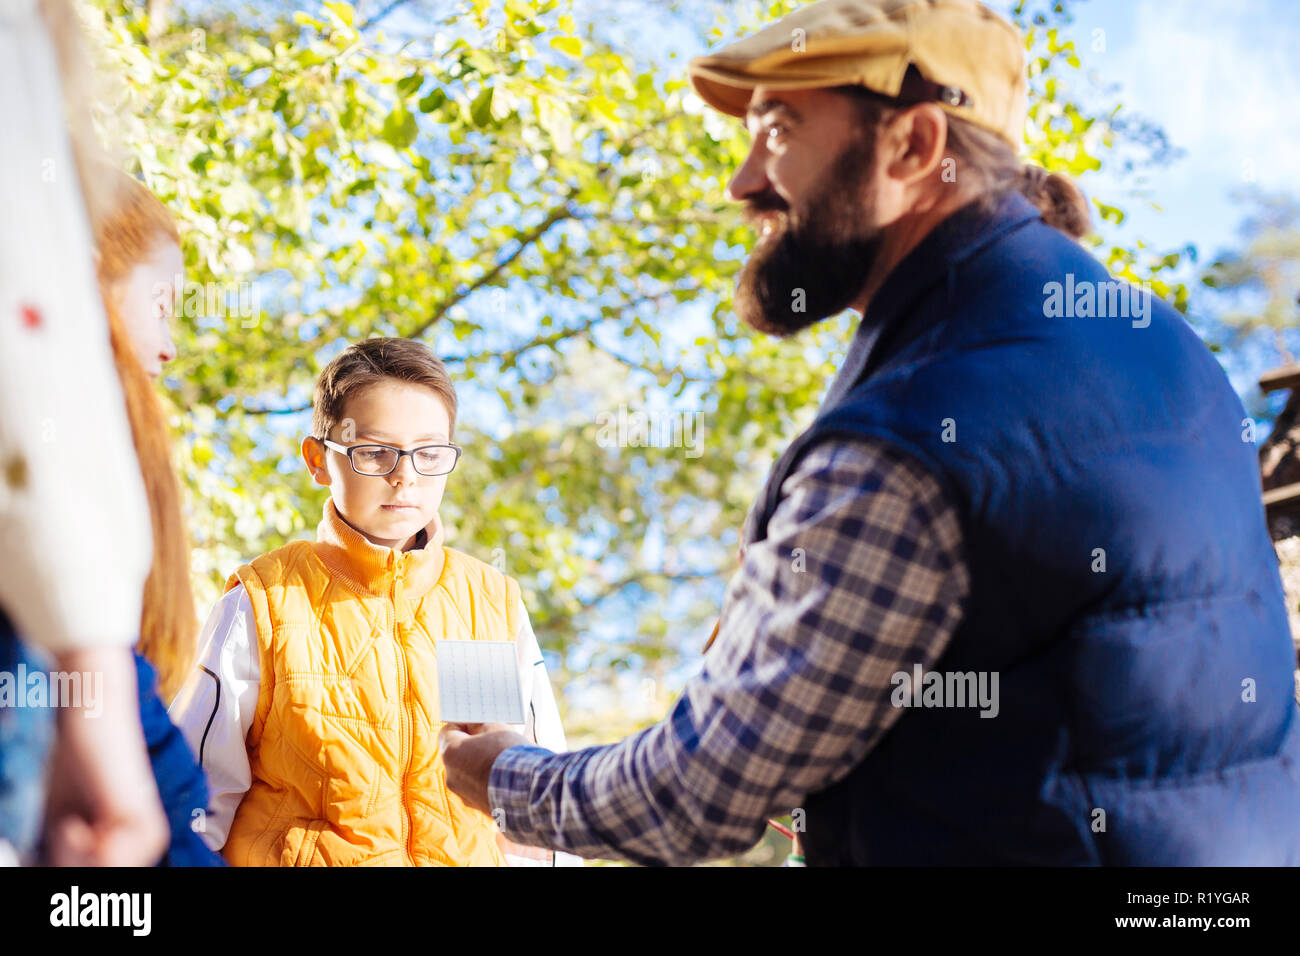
point(404, 750)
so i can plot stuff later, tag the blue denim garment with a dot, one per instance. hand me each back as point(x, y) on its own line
point(26, 736)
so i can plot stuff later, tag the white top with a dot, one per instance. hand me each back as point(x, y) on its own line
point(68, 469)
point(215, 709)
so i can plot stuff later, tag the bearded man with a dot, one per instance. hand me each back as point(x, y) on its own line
point(1010, 599)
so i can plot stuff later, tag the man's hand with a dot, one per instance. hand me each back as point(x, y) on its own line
point(468, 752)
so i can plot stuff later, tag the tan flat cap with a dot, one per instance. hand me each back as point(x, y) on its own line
point(973, 58)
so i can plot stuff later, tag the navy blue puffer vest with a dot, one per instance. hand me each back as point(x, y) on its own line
point(1123, 585)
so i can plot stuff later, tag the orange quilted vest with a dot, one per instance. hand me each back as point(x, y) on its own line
point(344, 743)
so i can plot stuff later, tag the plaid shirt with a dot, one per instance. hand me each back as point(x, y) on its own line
point(860, 576)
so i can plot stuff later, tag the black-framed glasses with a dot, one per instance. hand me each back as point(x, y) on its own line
point(375, 461)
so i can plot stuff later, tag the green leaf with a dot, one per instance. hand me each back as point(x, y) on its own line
point(570, 46)
point(605, 107)
point(260, 54)
point(400, 128)
point(1109, 213)
point(480, 110)
point(344, 11)
point(432, 101)
point(481, 61)
point(410, 84)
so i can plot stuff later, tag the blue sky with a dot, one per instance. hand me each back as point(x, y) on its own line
point(1222, 79)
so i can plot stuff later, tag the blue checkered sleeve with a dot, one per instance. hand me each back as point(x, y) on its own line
point(860, 576)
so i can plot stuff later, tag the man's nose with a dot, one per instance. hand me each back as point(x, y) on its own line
point(750, 179)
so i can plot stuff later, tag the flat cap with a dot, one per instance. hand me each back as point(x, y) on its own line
point(972, 59)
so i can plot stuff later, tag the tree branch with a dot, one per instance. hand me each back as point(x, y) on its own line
point(554, 338)
point(661, 375)
point(263, 410)
point(371, 21)
point(507, 358)
point(511, 357)
point(558, 214)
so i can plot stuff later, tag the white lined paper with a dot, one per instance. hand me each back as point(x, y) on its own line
point(478, 682)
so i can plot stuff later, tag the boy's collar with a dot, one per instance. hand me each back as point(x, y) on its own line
point(348, 552)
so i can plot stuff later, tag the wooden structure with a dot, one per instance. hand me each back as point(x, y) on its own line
point(1279, 458)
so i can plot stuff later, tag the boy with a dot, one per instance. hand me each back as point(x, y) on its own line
point(314, 709)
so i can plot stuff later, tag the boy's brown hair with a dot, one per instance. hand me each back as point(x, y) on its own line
point(364, 363)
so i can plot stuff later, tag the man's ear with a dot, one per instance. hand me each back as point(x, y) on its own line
point(313, 454)
point(917, 138)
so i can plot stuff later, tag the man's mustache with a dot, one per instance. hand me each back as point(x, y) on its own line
point(758, 206)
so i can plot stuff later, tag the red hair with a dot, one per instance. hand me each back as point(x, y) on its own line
point(134, 224)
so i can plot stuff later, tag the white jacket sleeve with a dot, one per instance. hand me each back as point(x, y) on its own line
point(75, 544)
point(216, 706)
point(542, 726)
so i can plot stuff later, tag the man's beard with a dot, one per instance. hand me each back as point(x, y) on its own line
point(816, 262)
